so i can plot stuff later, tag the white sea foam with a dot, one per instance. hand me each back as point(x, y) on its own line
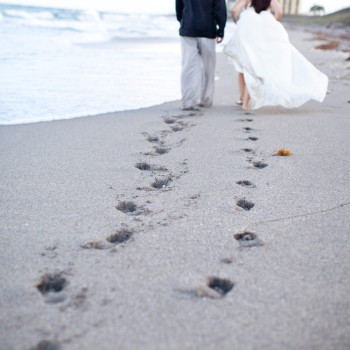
point(90, 16)
point(46, 15)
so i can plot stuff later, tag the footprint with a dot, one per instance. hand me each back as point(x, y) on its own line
point(95, 245)
point(129, 208)
point(161, 183)
point(248, 150)
point(143, 166)
point(246, 205)
point(159, 168)
point(248, 239)
point(169, 120)
point(215, 288)
point(161, 150)
point(50, 287)
point(259, 165)
point(253, 138)
point(121, 236)
point(221, 286)
point(245, 183)
point(247, 129)
point(227, 260)
point(47, 345)
point(51, 283)
point(153, 139)
point(177, 128)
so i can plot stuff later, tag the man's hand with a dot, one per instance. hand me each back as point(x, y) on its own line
point(219, 39)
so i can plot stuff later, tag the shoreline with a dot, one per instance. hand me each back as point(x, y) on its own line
point(329, 38)
point(87, 115)
point(163, 229)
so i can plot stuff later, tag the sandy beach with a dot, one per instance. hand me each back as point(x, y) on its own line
point(163, 229)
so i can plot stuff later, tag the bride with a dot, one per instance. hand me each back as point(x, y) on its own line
point(271, 70)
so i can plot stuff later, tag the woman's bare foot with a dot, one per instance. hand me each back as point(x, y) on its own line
point(246, 99)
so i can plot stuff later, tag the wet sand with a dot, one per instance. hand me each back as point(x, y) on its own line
point(164, 229)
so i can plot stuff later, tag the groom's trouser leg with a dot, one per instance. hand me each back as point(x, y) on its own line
point(191, 74)
point(208, 55)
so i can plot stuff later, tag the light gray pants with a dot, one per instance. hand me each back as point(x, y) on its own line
point(198, 71)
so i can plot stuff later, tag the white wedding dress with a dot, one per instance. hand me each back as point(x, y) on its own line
point(275, 72)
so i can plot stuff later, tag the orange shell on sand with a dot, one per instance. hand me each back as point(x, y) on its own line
point(284, 152)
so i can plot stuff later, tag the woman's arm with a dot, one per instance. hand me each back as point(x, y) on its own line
point(239, 5)
point(277, 9)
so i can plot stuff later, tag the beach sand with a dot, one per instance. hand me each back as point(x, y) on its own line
point(163, 229)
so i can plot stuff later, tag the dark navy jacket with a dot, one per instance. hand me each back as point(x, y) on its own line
point(201, 18)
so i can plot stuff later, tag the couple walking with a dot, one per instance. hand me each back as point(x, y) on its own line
point(271, 71)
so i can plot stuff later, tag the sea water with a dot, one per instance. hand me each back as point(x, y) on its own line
point(58, 64)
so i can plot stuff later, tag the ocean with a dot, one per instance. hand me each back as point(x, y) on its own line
point(59, 64)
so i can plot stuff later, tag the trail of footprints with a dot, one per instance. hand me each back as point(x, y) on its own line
point(52, 286)
point(216, 288)
point(248, 239)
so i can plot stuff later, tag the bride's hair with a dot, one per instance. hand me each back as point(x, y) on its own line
point(260, 5)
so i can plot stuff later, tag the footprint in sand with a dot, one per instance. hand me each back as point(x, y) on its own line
point(248, 150)
point(245, 183)
point(244, 204)
point(143, 166)
point(130, 208)
point(222, 286)
point(120, 236)
point(246, 120)
point(227, 260)
point(247, 129)
point(153, 139)
point(215, 288)
point(158, 150)
point(161, 150)
point(51, 287)
point(248, 239)
point(168, 120)
point(259, 165)
point(98, 245)
point(177, 128)
point(161, 183)
point(47, 345)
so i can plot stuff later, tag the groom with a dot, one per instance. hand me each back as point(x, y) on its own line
point(202, 23)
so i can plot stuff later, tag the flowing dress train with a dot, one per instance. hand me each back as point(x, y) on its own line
point(275, 72)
